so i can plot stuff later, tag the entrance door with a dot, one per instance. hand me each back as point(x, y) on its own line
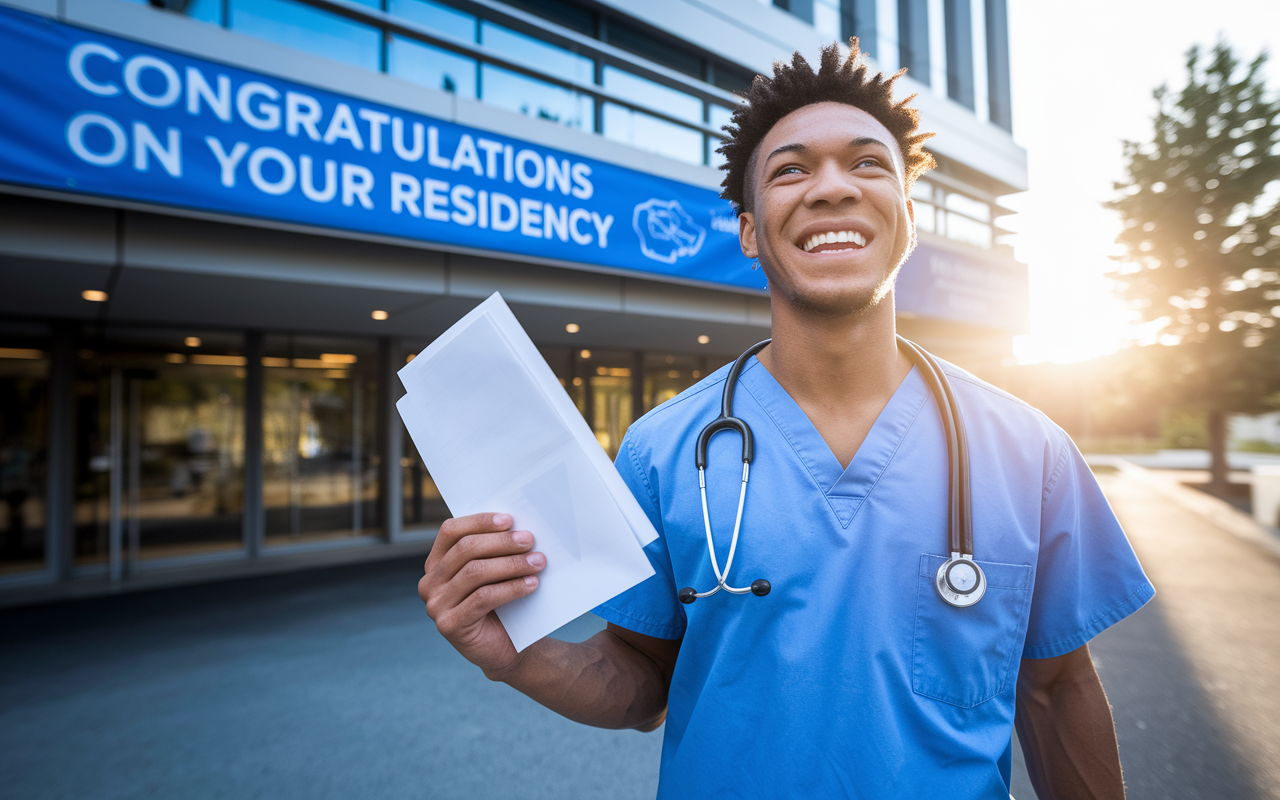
point(160, 467)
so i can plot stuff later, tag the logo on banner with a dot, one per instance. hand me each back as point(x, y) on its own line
point(666, 230)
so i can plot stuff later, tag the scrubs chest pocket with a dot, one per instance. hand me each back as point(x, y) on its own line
point(966, 656)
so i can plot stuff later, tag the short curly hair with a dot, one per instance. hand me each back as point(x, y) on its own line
point(796, 85)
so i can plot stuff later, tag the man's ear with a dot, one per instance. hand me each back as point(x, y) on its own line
point(747, 235)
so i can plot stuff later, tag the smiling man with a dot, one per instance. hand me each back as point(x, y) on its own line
point(850, 676)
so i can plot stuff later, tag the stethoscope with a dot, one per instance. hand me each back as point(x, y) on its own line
point(959, 581)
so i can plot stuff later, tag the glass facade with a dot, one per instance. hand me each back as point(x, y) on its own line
point(307, 28)
point(320, 453)
point(160, 445)
point(24, 436)
point(953, 215)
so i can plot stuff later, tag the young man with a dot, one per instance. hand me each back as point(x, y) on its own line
point(851, 677)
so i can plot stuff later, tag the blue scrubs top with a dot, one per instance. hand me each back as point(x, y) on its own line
point(852, 678)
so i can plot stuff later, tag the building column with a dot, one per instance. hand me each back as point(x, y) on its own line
point(254, 512)
point(60, 491)
point(637, 386)
point(390, 438)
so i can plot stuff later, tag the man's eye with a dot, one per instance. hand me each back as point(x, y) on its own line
point(868, 162)
point(789, 170)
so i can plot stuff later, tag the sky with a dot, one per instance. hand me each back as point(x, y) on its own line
point(1083, 73)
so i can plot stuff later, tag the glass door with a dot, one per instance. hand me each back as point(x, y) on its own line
point(320, 457)
point(160, 462)
point(24, 431)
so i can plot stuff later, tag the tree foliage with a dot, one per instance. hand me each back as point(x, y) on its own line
point(1201, 213)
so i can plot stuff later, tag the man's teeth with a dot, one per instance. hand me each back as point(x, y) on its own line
point(819, 239)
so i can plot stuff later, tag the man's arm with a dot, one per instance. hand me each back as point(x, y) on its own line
point(1065, 726)
point(615, 679)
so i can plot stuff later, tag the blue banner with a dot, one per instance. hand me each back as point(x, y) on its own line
point(96, 114)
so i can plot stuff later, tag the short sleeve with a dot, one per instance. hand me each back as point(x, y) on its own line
point(651, 607)
point(1087, 576)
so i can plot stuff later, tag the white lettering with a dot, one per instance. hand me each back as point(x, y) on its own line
point(343, 126)
point(133, 81)
point(145, 141)
point(431, 201)
point(199, 89)
point(523, 160)
point(508, 164)
point(433, 149)
point(482, 206)
point(466, 156)
point(491, 150)
point(499, 203)
point(301, 111)
point(405, 191)
point(602, 227)
point(376, 120)
point(582, 188)
point(308, 180)
point(357, 181)
point(397, 140)
point(530, 217)
point(576, 216)
point(288, 173)
point(270, 112)
point(460, 197)
point(555, 220)
point(119, 141)
point(75, 65)
point(227, 162)
point(558, 174)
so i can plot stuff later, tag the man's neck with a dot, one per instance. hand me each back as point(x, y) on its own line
point(840, 369)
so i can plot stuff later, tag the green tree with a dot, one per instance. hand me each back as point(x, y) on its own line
point(1201, 213)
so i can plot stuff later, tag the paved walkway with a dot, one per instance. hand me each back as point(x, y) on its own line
point(333, 684)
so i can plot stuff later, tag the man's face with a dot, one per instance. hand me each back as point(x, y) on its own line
point(831, 221)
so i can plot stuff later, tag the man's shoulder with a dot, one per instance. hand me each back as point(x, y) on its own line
point(978, 398)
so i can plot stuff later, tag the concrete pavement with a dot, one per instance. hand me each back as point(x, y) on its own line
point(333, 684)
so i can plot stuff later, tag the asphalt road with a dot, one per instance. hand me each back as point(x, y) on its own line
point(333, 684)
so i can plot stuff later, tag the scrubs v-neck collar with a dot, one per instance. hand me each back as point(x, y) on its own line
point(844, 487)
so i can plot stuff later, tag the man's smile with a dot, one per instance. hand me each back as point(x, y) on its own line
point(835, 241)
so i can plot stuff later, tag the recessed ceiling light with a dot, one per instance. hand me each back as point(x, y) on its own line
point(585, 354)
point(192, 341)
point(94, 296)
point(704, 339)
point(572, 327)
point(379, 315)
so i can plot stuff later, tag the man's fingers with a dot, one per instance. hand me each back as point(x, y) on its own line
point(456, 529)
point(474, 576)
point(484, 600)
point(480, 546)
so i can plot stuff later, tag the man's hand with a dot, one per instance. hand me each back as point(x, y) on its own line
point(476, 565)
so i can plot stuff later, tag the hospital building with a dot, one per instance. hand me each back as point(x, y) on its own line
point(226, 224)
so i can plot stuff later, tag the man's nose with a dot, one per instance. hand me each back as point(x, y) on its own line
point(833, 184)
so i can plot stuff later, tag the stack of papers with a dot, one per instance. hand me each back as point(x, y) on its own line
point(498, 433)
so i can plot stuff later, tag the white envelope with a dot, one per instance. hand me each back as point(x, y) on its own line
point(498, 433)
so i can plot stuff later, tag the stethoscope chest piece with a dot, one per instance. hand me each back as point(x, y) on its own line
point(960, 582)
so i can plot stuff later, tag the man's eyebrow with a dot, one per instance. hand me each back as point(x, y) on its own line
point(786, 148)
point(863, 141)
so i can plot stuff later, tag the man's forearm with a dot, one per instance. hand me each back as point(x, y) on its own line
point(603, 681)
point(1068, 736)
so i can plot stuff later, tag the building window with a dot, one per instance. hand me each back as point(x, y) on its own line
point(913, 38)
point(439, 18)
point(959, 38)
point(535, 98)
point(308, 29)
point(24, 436)
point(858, 18)
point(431, 66)
point(799, 8)
point(998, 90)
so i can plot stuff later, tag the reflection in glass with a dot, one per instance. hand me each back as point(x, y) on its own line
point(165, 420)
point(666, 376)
point(423, 505)
point(654, 95)
point(204, 10)
point(538, 54)
point(975, 209)
point(24, 413)
point(926, 217)
point(307, 28)
point(431, 66)
point(438, 17)
point(319, 454)
point(534, 98)
point(651, 134)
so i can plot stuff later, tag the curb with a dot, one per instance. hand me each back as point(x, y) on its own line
point(1217, 512)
